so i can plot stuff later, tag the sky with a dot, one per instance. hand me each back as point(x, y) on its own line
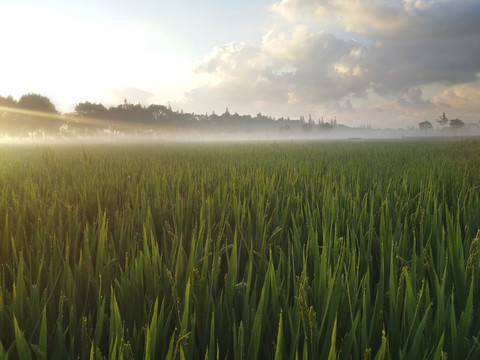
point(386, 63)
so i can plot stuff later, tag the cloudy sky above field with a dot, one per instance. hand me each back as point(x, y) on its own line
point(381, 62)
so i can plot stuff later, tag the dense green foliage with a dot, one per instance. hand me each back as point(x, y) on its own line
point(240, 251)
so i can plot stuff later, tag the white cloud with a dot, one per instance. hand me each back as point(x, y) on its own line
point(417, 42)
point(232, 64)
point(462, 101)
point(291, 67)
point(400, 48)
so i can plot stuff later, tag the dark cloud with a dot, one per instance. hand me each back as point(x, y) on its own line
point(440, 43)
point(413, 98)
point(414, 42)
point(408, 45)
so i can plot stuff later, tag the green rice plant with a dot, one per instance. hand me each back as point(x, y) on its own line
point(269, 250)
point(21, 343)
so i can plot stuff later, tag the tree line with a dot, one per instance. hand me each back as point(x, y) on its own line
point(35, 113)
point(443, 121)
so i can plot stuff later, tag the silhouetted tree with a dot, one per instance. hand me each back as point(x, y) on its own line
point(425, 125)
point(38, 120)
point(129, 113)
point(8, 101)
point(161, 114)
point(284, 127)
point(325, 126)
point(307, 126)
point(36, 102)
point(443, 121)
point(456, 124)
point(87, 109)
point(6, 116)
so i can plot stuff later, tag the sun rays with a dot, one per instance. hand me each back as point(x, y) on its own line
point(6, 112)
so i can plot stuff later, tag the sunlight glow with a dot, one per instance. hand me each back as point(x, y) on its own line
point(78, 119)
point(71, 53)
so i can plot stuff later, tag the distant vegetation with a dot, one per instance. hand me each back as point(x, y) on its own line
point(89, 118)
point(455, 124)
point(271, 251)
point(35, 116)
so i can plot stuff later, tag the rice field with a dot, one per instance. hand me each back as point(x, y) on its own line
point(240, 251)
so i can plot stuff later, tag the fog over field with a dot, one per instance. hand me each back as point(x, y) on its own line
point(34, 118)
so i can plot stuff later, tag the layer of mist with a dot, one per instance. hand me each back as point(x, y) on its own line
point(34, 119)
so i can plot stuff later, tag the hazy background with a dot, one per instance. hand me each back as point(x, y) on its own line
point(384, 63)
